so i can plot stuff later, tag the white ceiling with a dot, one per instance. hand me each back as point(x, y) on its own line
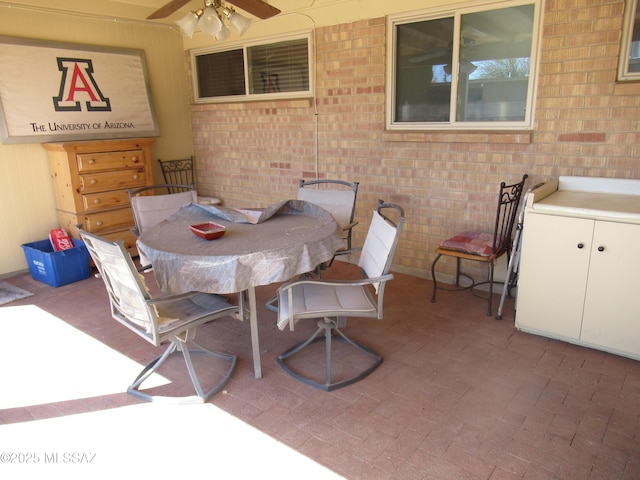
point(140, 9)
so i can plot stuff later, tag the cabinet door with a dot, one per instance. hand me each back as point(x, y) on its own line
point(612, 305)
point(553, 274)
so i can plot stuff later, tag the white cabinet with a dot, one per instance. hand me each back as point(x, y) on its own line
point(579, 266)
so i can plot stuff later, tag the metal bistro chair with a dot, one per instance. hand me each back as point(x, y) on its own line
point(182, 172)
point(482, 246)
point(332, 301)
point(169, 318)
point(149, 210)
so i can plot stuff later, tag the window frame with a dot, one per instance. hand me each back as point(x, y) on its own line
point(245, 46)
point(457, 11)
point(624, 75)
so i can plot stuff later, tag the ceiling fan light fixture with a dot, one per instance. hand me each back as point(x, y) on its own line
point(239, 22)
point(189, 22)
point(223, 34)
point(210, 22)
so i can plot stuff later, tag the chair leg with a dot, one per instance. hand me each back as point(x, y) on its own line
point(491, 268)
point(457, 271)
point(201, 396)
point(433, 276)
point(331, 332)
point(327, 349)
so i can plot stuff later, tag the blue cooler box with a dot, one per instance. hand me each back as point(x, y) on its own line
point(57, 268)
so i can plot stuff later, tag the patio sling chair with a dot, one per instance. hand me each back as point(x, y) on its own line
point(149, 210)
point(333, 301)
point(182, 172)
point(169, 318)
point(338, 197)
point(482, 246)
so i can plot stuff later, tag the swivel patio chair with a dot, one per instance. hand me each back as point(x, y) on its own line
point(168, 318)
point(482, 246)
point(149, 210)
point(182, 172)
point(333, 301)
point(338, 197)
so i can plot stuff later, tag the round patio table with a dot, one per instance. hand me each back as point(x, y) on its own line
point(290, 238)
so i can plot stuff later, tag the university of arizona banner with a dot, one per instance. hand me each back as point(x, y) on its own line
point(54, 91)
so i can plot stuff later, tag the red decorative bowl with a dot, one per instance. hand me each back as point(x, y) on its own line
point(209, 230)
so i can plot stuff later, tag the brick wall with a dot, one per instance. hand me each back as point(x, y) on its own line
point(252, 154)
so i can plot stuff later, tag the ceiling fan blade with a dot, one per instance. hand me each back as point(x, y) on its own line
point(168, 9)
point(256, 7)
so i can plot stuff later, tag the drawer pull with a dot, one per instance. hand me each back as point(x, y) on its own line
point(93, 181)
point(99, 223)
point(581, 245)
point(136, 177)
point(96, 201)
point(601, 248)
point(135, 159)
point(92, 161)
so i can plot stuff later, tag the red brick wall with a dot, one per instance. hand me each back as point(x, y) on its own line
point(252, 154)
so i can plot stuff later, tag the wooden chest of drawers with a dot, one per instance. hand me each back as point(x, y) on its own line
point(91, 179)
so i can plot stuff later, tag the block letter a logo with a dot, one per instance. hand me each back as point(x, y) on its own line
point(78, 85)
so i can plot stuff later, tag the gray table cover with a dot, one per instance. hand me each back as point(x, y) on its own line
point(291, 238)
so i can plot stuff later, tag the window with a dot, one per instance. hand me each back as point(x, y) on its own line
point(252, 72)
point(470, 68)
point(629, 66)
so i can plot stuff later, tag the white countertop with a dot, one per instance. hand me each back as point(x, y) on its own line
point(611, 199)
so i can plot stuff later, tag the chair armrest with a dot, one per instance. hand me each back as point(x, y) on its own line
point(359, 282)
point(350, 226)
point(347, 251)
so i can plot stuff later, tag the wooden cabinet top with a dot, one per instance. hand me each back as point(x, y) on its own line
point(90, 146)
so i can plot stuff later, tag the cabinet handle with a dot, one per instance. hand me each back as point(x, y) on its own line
point(135, 159)
point(96, 201)
point(581, 245)
point(93, 181)
point(99, 223)
point(136, 177)
point(601, 248)
point(92, 161)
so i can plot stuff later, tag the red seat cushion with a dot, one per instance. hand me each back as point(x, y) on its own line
point(475, 243)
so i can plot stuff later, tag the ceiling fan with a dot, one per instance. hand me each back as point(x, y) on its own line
point(259, 8)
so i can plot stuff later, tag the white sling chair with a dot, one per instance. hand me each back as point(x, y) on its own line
point(338, 197)
point(149, 210)
point(332, 301)
point(170, 318)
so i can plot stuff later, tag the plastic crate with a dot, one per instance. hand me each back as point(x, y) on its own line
point(57, 268)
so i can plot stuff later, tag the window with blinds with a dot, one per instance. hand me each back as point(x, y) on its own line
point(250, 72)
